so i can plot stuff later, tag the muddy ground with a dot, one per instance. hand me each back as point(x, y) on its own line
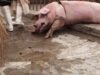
point(67, 53)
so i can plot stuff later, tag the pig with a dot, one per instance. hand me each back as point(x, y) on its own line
point(54, 16)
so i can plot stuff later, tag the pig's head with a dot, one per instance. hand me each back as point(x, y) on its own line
point(41, 20)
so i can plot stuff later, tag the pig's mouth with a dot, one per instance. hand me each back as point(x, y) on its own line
point(44, 28)
point(41, 28)
point(37, 29)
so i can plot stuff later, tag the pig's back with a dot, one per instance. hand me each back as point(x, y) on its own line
point(81, 11)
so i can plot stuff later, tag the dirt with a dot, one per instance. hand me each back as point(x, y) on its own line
point(67, 53)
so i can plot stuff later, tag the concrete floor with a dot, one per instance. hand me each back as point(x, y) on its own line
point(67, 53)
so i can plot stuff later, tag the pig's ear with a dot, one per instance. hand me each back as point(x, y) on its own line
point(44, 11)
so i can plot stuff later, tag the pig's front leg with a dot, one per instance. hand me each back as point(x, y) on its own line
point(59, 23)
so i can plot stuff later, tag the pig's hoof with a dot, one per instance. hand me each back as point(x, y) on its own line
point(46, 37)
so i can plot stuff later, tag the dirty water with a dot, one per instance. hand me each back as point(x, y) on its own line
point(67, 53)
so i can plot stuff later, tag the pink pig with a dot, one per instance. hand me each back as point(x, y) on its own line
point(54, 16)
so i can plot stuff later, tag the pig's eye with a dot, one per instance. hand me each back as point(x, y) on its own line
point(43, 15)
point(36, 17)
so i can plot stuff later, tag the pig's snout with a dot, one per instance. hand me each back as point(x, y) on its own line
point(39, 26)
point(35, 26)
point(42, 23)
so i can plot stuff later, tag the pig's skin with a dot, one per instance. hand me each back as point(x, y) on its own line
point(76, 12)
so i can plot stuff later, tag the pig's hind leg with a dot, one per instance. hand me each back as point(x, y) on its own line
point(59, 23)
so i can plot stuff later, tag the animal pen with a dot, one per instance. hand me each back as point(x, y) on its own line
point(72, 51)
point(35, 5)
